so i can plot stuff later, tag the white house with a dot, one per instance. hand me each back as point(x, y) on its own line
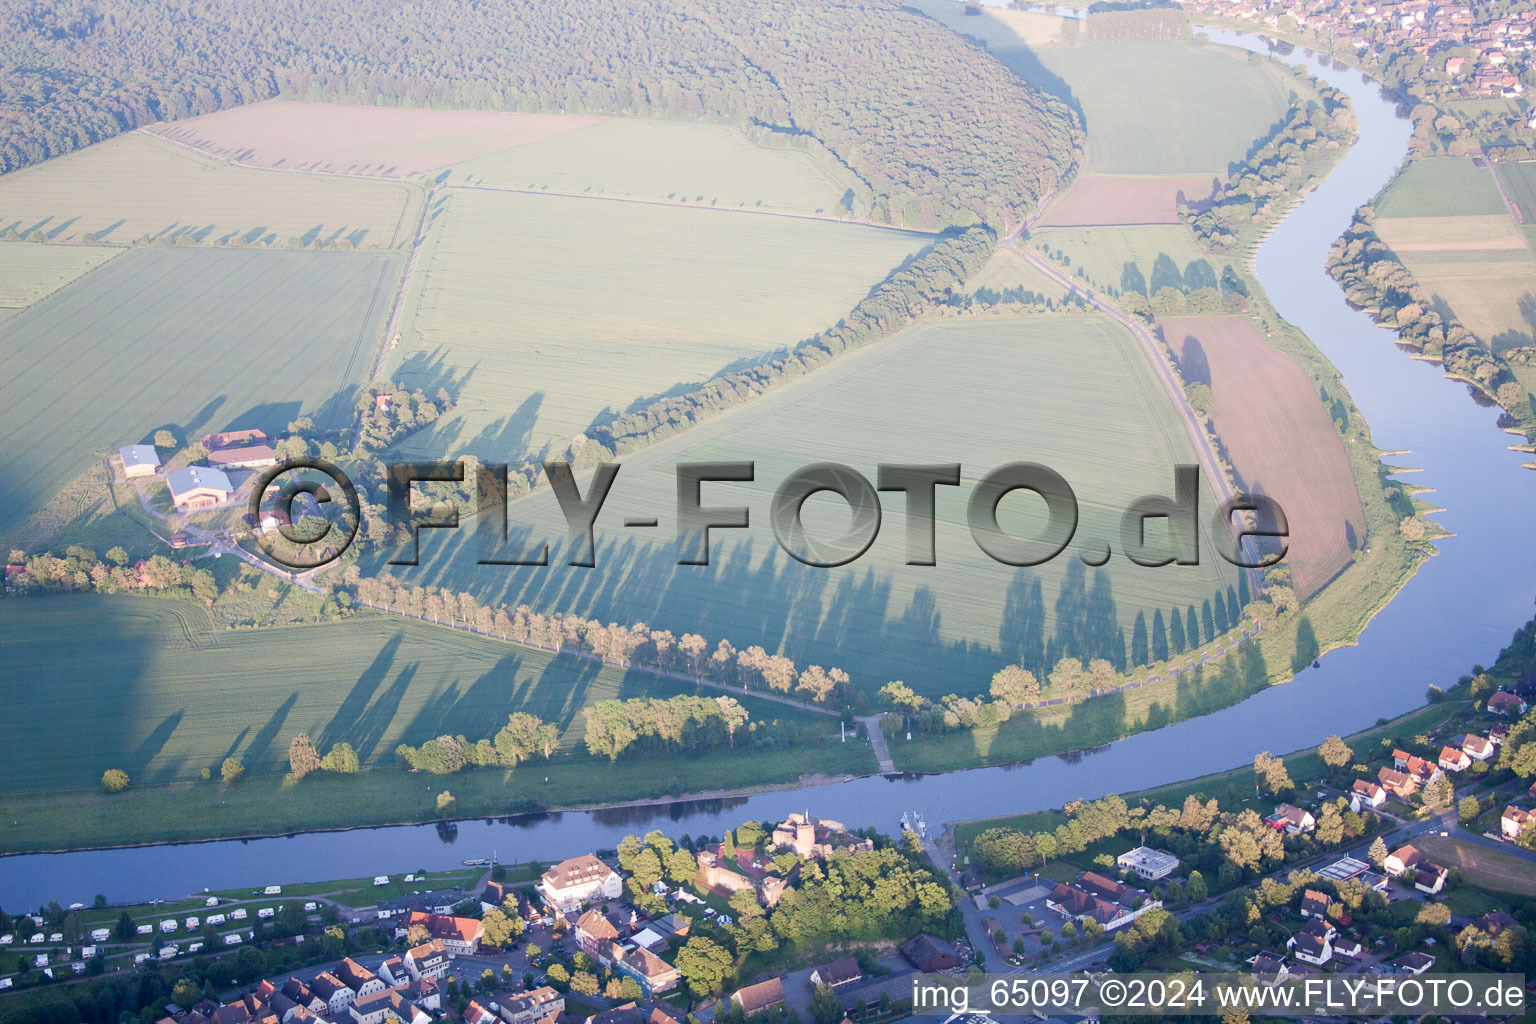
point(194, 487)
point(1145, 862)
point(1366, 794)
point(571, 883)
point(1514, 820)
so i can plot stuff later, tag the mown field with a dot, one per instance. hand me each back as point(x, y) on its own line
point(190, 339)
point(136, 187)
point(151, 687)
point(1258, 397)
point(1519, 183)
point(1165, 107)
point(1445, 219)
point(361, 140)
point(544, 314)
point(1446, 186)
point(30, 272)
point(1115, 258)
point(1071, 392)
point(668, 161)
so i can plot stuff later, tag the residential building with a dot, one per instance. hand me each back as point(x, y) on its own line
point(1366, 795)
point(756, 998)
point(1421, 771)
point(1145, 862)
point(1428, 877)
point(139, 460)
point(572, 883)
point(1310, 948)
point(1496, 921)
point(1478, 748)
point(1400, 860)
point(1292, 819)
point(358, 978)
point(1513, 821)
point(389, 1004)
point(332, 991)
point(1399, 784)
point(594, 933)
point(1315, 904)
point(532, 1007)
point(1413, 963)
point(1454, 759)
point(194, 487)
point(474, 1013)
point(1269, 965)
point(1505, 703)
point(460, 936)
point(653, 973)
point(838, 973)
point(428, 960)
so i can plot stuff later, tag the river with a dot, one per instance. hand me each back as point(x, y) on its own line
point(1459, 610)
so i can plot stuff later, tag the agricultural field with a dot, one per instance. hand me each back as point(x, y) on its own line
point(191, 339)
point(30, 272)
point(151, 687)
point(1071, 392)
point(1166, 107)
point(665, 161)
point(544, 314)
point(137, 186)
point(1258, 395)
point(1007, 269)
point(1099, 199)
point(1115, 258)
point(392, 141)
point(1519, 183)
point(1473, 259)
point(1443, 186)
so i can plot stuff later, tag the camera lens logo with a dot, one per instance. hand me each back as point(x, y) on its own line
point(303, 551)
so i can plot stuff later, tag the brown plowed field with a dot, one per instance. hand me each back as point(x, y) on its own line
point(1278, 436)
point(1100, 199)
point(361, 140)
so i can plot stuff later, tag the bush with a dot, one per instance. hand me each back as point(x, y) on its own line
point(114, 780)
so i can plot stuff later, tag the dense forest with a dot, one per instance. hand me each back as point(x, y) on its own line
point(940, 133)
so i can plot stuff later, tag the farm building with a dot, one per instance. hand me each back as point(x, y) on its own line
point(233, 439)
point(198, 487)
point(255, 456)
point(139, 460)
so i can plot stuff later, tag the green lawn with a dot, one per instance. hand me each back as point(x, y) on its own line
point(545, 314)
point(1073, 393)
point(30, 272)
point(149, 687)
point(192, 339)
point(1108, 254)
point(1442, 186)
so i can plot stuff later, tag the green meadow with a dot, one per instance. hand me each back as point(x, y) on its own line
point(1073, 393)
point(192, 339)
point(546, 314)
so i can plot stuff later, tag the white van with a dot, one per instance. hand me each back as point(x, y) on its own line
point(215, 918)
point(145, 929)
point(238, 914)
point(273, 890)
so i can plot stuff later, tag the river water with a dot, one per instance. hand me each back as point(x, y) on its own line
point(1459, 610)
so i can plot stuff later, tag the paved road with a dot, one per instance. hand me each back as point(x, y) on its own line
point(876, 735)
point(1209, 463)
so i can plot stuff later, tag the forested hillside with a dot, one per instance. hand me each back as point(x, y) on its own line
point(937, 131)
